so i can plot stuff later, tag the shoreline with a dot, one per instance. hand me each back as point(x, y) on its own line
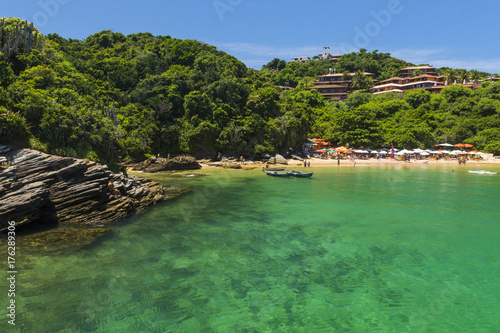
point(317, 162)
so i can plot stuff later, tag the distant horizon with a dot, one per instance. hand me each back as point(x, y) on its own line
point(441, 34)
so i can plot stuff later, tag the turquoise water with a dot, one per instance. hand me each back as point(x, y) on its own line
point(365, 249)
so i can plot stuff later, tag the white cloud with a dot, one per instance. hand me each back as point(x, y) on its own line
point(419, 56)
point(445, 58)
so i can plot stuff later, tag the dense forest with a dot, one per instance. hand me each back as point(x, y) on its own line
point(112, 96)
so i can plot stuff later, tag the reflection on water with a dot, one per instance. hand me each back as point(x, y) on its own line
point(349, 250)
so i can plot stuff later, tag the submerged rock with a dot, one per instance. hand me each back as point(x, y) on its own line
point(51, 190)
point(62, 239)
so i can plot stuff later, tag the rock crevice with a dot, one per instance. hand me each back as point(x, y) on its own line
point(42, 188)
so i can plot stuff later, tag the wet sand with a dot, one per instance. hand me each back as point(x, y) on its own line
point(318, 162)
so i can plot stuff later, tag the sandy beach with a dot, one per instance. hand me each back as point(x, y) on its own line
point(318, 162)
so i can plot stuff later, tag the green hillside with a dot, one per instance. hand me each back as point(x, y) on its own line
point(113, 96)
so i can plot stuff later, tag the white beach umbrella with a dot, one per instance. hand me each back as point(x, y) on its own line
point(374, 152)
point(453, 153)
point(424, 154)
point(437, 152)
point(383, 152)
point(418, 150)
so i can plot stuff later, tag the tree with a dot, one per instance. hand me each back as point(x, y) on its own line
point(475, 75)
point(416, 72)
point(464, 76)
point(417, 97)
point(361, 82)
point(450, 76)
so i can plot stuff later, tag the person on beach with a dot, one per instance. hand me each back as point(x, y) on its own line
point(308, 164)
point(241, 159)
point(305, 164)
point(113, 190)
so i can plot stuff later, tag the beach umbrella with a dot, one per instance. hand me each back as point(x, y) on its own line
point(468, 145)
point(324, 149)
point(437, 152)
point(462, 153)
point(445, 145)
point(374, 152)
point(453, 153)
point(424, 154)
point(418, 150)
point(383, 152)
point(459, 145)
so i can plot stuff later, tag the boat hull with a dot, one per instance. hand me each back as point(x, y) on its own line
point(301, 174)
point(275, 169)
point(278, 174)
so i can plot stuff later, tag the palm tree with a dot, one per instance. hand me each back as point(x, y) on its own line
point(361, 81)
point(474, 75)
point(450, 76)
point(464, 76)
point(416, 72)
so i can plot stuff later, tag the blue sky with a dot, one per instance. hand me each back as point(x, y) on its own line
point(457, 34)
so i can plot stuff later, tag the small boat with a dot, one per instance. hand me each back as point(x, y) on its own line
point(275, 169)
point(278, 174)
point(296, 173)
point(483, 172)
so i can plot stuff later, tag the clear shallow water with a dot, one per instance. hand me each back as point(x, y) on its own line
point(363, 249)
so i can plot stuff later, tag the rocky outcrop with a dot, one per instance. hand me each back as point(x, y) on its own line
point(228, 163)
point(151, 165)
point(47, 189)
point(278, 159)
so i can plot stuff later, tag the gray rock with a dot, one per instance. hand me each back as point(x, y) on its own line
point(280, 159)
point(182, 162)
point(51, 189)
point(298, 158)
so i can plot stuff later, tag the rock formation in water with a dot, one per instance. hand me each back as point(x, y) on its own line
point(183, 162)
point(47, 189)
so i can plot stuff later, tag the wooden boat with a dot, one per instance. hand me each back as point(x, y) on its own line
point(278, 174)
point(296, 173)
point(275, 169)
